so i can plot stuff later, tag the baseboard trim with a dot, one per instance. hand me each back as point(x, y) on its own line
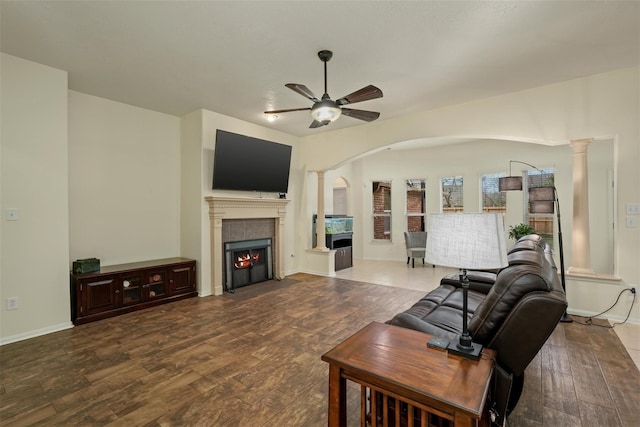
point(614, 319)
point(35, 333)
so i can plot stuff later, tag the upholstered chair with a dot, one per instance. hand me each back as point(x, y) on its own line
point(416, 244)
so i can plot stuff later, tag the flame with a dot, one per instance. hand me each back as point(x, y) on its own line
point(246, 260)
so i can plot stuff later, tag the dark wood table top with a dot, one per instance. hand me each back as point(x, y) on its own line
point(122, 268)
point(399, 360)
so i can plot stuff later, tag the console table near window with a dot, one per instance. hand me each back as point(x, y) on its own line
point(400, 375)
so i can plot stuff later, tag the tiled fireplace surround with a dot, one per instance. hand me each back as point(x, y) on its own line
point(233, 219)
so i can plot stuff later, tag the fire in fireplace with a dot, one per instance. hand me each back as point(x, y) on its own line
point(247, 262)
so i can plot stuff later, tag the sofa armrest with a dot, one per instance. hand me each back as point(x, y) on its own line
point(519, 338)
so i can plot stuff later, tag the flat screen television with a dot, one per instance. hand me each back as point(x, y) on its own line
point(250, 164)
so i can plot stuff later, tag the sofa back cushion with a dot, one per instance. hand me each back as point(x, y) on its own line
point(526, 245)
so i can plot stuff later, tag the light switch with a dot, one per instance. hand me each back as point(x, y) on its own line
point(632, 221)
point(633, 208)
point(12, 214)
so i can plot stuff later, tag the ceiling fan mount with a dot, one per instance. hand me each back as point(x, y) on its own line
point(325, 110)
point(325, 55)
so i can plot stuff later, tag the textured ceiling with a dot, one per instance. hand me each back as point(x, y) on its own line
point(234, 57)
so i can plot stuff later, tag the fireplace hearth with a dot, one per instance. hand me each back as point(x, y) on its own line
point(247, 262)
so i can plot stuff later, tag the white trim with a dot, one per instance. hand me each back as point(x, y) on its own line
point(36, 333)
point(614, 319)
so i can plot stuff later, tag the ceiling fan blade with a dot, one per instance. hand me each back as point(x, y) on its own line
point(317, 124)
point(287, 110)
point(364, 94)
point(302, 90)
point(367, 116)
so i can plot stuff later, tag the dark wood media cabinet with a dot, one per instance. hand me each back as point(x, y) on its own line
point(119, 289)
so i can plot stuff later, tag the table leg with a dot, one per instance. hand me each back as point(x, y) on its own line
point(461, 420)
point(337, 398)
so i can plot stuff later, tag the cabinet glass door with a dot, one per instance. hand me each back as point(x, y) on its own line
point(157, 285)
point(131, 289)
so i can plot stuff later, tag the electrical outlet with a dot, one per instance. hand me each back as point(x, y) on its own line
point(634, 291)
point(12, 214)
point(12, 303)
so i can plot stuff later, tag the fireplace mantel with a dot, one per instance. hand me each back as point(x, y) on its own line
point(221, 208)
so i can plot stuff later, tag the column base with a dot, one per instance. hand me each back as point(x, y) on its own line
point(580, 271)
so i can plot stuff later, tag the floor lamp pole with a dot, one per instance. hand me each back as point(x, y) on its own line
point(564, 318)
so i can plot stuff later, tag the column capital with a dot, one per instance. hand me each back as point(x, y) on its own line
point(580, 145)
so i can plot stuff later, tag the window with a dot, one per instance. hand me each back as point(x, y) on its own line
point(416, 204)
point(452, 200)
point(381, 210)
point(542, 223)
point(493, 201)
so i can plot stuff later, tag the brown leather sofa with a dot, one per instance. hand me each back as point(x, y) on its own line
point(512, 311)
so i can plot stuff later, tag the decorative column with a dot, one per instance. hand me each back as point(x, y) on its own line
point(320, 231)
point(580, 242)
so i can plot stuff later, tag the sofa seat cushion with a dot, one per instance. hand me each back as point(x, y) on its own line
point(439, 312)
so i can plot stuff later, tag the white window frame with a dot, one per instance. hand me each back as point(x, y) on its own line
point(408, 214)
point(387, 214)
point(454, 177)
point(495, 175)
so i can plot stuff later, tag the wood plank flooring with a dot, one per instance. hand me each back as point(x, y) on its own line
point(223, 361)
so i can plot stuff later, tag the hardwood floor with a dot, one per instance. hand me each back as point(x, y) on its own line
point(255, 361)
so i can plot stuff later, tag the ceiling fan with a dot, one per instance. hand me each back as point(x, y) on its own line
point(325, 110)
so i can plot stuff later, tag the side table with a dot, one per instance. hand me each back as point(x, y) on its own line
point(395, 367)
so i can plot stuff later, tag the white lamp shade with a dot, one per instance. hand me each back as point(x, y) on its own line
point(466, 241)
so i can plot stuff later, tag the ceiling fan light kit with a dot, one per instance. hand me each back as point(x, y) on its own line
point(325, 110)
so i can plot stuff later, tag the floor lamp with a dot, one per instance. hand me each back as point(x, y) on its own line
point(542, 199)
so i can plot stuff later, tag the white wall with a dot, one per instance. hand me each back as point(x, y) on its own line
point(191, 235)
point(34, 253)
point(124, 181)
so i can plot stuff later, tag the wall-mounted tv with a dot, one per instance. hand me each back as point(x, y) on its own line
point(250, 164)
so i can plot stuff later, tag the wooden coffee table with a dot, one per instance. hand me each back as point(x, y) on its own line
point(394, 365)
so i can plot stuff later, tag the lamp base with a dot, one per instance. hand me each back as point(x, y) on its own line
point(471, 352)
point(565, 318)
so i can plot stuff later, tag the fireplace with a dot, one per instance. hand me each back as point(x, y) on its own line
point(247, 262)
point(222, 209)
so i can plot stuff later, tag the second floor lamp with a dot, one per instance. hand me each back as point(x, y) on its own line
point(543, 200)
